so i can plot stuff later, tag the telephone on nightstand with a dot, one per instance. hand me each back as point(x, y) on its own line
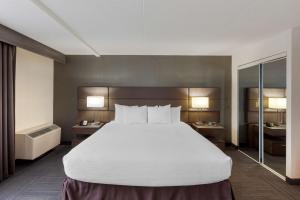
point(83, 123)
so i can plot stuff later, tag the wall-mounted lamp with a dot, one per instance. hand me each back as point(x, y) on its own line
point(95, 101)
point(200, 102)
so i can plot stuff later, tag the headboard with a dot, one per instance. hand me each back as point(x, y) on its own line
point(176, 96)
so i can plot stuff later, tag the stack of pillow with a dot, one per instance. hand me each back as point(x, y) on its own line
point(147, 114)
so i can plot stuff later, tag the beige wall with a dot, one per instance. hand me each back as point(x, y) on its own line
point(34, 90)
point(293, 114)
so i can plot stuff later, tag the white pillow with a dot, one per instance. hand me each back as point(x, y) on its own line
point(159, 114)
point(119, 113)
point(135, 115)
point(175, 114)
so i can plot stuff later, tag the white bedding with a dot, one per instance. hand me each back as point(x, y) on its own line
point(147, 155)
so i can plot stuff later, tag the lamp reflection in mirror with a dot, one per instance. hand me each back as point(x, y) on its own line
point(279, 104)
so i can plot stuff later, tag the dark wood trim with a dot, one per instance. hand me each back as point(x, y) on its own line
point(17, 39)
point(293, 181)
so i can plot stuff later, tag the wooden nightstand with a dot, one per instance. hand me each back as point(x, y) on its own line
point(216, 134)
point(82, 132)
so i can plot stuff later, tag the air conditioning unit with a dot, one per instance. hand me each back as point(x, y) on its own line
point(32, 143)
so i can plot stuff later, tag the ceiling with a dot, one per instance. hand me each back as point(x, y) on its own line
point(149, 27)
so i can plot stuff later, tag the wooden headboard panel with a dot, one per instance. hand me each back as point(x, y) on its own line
point(148, 96)
point(176, 96)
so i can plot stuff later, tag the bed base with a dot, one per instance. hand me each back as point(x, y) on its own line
point(78, 190)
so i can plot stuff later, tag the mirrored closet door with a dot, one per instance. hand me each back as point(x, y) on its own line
point(274, 131)
point(249, 111)
point(262, 113)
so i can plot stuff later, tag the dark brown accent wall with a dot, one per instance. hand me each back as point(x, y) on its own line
point(17, 39)
point(137, 71)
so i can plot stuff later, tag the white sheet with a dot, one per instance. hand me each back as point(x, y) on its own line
point(147, 155)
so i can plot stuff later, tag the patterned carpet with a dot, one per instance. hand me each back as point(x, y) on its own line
point(36, 180)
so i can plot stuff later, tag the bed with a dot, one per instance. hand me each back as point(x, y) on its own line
point(147, 162)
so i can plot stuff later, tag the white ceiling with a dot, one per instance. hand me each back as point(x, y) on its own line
point(150, 27)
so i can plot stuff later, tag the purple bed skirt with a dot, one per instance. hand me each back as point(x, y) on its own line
point(78, 190)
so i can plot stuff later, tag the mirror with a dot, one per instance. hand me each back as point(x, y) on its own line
point(274, 97)
point(249, 111)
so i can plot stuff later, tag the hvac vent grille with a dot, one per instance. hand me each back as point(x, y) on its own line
point(42, 131)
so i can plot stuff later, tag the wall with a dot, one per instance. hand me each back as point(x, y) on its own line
point(34, 90)
point(293, 114)
point(185, 71)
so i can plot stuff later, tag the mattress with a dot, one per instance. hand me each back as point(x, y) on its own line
point(147, 155)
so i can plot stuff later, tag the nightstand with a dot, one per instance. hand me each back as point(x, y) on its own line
point(82, 132)
point(216, 134)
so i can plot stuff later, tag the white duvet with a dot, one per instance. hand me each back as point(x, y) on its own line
point(147, 155)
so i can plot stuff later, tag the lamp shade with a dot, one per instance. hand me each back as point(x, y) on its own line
point(200, 102)
point(277, 103)
point(95, 101)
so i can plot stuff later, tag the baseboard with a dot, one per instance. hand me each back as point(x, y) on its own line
point(293, 181)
